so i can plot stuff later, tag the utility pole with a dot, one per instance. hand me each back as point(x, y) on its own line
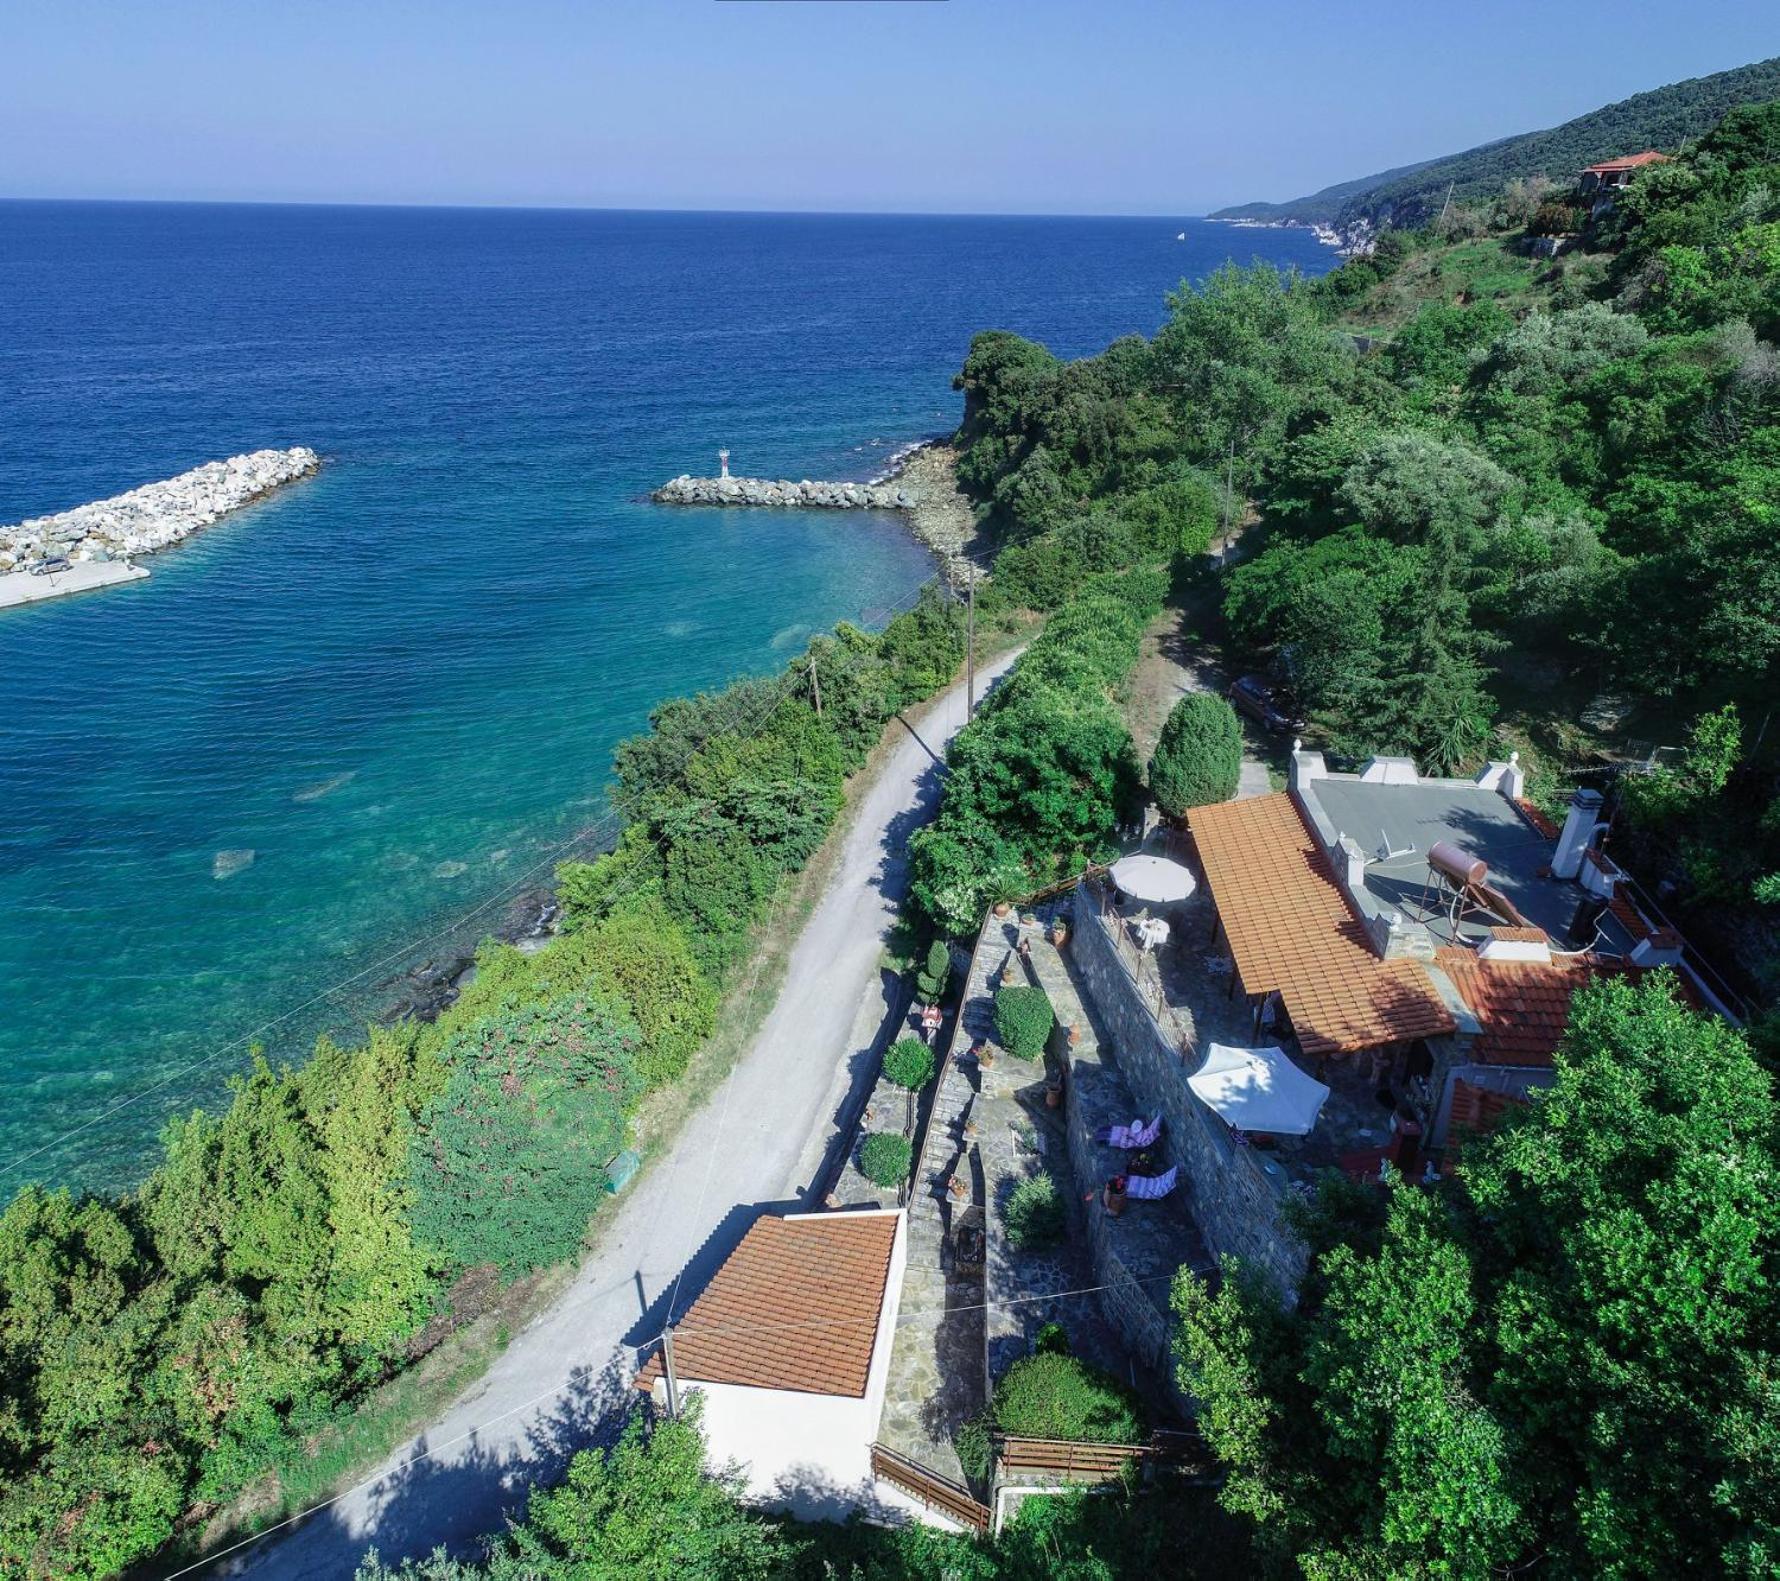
point(667, 1365)
point(1448, 203)
point(970, 642)
point(1229, 488)
point(816, 682)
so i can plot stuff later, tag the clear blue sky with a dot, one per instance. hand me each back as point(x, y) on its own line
point(1024, 106)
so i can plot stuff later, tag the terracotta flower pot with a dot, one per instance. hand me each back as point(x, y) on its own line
point(957, 1187)
point(1053, 1094)
point(985, 1060)
point(1059, 935)
point(1002, 908)
point(970, 1130)
point(1114, 1199)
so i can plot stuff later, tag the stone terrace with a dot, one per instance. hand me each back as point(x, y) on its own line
point(936, 1360)
point(1136, 1254)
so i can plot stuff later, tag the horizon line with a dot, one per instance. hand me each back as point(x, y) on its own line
point(615, 208)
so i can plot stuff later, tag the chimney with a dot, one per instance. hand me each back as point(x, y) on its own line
point(1507, 779)
point(1306, 766)
point(1580, 825)
point(1662, 948)
point(1350, 863)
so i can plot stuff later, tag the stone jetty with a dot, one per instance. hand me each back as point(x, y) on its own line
point(685, 490)
point(151, 517)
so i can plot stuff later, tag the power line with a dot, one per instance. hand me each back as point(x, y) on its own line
point(413, 946)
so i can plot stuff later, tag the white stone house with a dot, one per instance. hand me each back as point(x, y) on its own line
point(789, 1348)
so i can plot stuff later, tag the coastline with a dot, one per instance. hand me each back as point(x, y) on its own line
point(941, 517)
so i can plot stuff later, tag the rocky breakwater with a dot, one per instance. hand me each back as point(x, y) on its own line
point(684, 490)
point(153, 516)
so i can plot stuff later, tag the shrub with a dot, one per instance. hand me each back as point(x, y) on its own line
point(1023, 1021)
point(936, 972)
point(974, 1448)
point(508, 1163)
point(885, 1158)
point(1199, 756)
point(1051, 1340)
point(1033, 1214)
point(909, 1063)
point(1054, 1395)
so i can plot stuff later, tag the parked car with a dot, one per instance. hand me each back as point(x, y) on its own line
point(50, 567)
point(1269, 706)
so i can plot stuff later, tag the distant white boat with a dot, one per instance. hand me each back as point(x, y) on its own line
point(1181, 237)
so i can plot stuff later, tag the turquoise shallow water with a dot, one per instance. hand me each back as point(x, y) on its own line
point(398, 684)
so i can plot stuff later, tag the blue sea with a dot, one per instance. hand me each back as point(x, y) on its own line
point(398, 684)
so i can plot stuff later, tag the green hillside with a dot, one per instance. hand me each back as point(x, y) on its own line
point(1662, 118)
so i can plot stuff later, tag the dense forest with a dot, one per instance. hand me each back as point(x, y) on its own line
point(1663, 118)
point(168, 1349)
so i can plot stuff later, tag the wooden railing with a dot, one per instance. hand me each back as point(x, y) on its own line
point(1102, 1462)
point(950, 1498)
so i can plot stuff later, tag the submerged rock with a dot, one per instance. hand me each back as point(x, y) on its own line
point(226, 864)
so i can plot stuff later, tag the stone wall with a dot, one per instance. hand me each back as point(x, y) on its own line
point(1234, 1200)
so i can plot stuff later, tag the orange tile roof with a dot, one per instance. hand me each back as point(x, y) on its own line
point(795, 1306)
point(1478, 1108)
point(1538, 819)
point(1291, 929)
point(1520, 935)
point(1523, 1006)
point(1607, 167)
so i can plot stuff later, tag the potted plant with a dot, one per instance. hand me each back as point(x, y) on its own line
point(1053, 1087)
point(1003, 907)
point(1059, 931)
point(985, 1056)
point(1113, 1196)
point(958, 1187)
point(970, 1130)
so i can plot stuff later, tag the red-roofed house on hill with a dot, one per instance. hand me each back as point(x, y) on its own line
point(789, 1346)
point(1600, 182)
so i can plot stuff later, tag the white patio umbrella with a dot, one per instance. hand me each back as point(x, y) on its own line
point(1153, 878)
point(1259, 1089)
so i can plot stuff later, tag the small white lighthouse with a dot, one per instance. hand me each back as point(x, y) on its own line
point(723, 463)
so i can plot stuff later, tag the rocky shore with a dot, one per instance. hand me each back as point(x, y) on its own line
point(686, 490)
point(942, 518)
point(153, 516)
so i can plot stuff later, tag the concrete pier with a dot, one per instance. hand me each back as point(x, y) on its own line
point(725, 490)
point(22, 587)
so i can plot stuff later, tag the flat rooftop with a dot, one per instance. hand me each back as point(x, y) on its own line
point(1397, 825)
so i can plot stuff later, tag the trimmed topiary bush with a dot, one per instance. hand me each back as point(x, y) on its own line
point(1023, 1021)
point(885, 1158)
point(909, 1063)
point(1033, 1214)
point(1051, 1394)
point(1199, 756)
point(935, 975)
